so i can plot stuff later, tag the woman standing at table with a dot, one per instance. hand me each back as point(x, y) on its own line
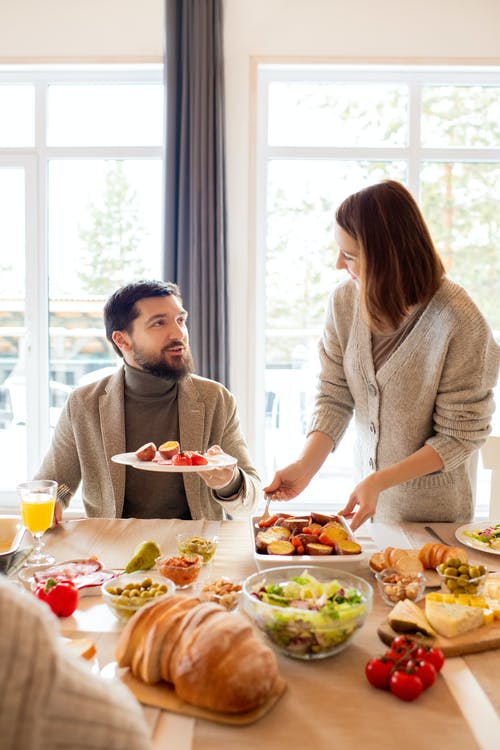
point(409, 353)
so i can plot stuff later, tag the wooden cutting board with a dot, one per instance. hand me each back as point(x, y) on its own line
point(163, 695)
point(482, 639)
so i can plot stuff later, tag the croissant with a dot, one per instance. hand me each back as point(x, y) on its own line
point(211, 656)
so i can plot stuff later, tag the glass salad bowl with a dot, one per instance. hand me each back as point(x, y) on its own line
point(307, 613)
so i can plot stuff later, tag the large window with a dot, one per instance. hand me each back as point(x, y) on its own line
point(81, 213)
point(323, 133)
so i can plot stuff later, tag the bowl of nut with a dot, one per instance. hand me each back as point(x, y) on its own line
point(395, 586)
point(127, 593)
point(222, 591)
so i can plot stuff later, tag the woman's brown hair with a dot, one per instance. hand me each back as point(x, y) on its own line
point(400, 265)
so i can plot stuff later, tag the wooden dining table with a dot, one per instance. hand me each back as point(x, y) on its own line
point(328, 703)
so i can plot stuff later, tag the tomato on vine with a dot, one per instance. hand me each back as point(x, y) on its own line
point(407, 669)
point(431, 654)
point(378, 672)
point(425, 670)
point(405, 685)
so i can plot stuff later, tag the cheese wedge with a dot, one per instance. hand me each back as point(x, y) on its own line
point(452, 620)
point(407, 617)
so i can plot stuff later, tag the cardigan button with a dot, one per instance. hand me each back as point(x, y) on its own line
point(372, 428)
point(371, 463)
point(372, 390)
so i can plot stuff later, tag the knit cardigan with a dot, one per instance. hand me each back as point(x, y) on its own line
point(435, 389)
point(50, 699)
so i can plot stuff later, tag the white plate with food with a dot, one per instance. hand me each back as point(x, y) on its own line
point(216, 461)
point(263, 545)
point(484, 536)
point(87, 575)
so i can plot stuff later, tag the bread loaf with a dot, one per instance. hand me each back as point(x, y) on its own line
point(223, 666)
point(429, 556)
point(211, 656)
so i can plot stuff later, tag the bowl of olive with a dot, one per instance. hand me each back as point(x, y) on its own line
point(127, 593)
point(204, 546)
point(458, 577)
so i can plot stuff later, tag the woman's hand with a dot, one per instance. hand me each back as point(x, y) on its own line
point(365, 496)
point(289, 482)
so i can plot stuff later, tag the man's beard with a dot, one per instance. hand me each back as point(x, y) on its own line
point(157, 365)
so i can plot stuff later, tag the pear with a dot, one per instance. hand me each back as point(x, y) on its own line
point(144, 557)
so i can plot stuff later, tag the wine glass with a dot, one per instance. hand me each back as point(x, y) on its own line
point(38, 498)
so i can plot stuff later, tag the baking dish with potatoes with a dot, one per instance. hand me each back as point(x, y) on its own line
point(313, 538)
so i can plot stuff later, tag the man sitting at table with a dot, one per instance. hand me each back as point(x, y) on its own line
point(154, 397)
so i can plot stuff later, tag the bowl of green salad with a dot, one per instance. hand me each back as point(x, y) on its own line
point(307, 613)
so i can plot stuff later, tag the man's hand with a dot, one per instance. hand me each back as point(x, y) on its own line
point(216, 479)
point(58, 512)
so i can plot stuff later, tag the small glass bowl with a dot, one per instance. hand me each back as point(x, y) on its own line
point(395, 586)
point(124, 605)
point(204, 546)
point(222, 591)
point(464, 579)
point(183, 570)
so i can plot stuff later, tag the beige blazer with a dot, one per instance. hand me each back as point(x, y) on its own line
point(91, 429)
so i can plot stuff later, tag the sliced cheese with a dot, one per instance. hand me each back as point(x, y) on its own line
point(488, 616)
point(451, 620)
point(468, 600)
point(407, 617)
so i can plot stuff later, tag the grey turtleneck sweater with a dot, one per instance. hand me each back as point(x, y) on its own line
point(151, 414)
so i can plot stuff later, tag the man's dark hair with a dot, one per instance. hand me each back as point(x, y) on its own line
point(120, 311)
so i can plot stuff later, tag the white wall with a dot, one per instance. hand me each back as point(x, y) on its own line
point(390, 31)
point(81, 30)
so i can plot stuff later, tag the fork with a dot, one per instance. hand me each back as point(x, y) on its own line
point(266, 513)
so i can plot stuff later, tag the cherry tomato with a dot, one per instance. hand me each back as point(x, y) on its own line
point(405, 686)
point(431, 654)
point(181, 459)
point(197, 459)
point(378, 672)
point(404, 641)
point(402, 649)
point(60, 594)
point(425, 670)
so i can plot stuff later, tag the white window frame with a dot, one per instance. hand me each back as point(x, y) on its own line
point(35, 161)
point(416, 77)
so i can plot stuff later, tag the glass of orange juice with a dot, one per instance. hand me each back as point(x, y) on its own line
point(38, 498)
